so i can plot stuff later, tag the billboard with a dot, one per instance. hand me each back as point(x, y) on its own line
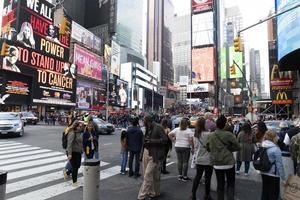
point(90, 95)
point(85, 37)
point(288, 27)
point(203, 64)
point(282, 97)
point(15, 88)
point(54, 80)
point(203, 29)
point(115, 58)
point(118, 93)
point(237, 57)
point(88, 63)
point(201, 5)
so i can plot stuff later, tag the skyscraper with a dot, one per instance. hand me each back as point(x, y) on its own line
point(181, 46)
point(159, 38)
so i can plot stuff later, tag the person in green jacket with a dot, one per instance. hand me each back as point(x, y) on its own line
point(221, 145)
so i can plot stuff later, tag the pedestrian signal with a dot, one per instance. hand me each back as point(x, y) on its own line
point(5, 49)
point(232, 70)
point(237, 44)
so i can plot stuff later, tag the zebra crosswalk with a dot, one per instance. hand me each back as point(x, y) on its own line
point(36, 173)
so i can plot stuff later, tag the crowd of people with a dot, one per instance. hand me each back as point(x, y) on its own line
point(211, 146)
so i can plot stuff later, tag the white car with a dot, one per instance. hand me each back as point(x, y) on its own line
point(11, 124)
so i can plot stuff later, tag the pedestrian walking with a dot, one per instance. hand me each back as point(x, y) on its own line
point(153, 154)
point(124, 151)
point(203, 159)
point(247, 142)
point(135, 142)
point(221, 145)
point(183, 138)
point(168, 146)
point(89, 141)
point(74, 150)
point(295, 152)
point(271, 178)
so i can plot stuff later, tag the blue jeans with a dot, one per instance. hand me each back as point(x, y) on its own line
point(124, 158)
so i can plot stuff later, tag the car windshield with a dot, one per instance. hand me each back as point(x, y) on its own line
point(27, 114)
point(99, 121)
point(9, 116)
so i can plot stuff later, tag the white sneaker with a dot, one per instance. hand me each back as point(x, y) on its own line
point(237, 172)
point(246, 174)
point(75, 184)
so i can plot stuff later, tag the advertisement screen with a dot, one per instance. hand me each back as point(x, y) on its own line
point(90, 95)
point(203, 66)
point(88, 63)
point(15, 88)
point(282, 97)
point(53, 79)
point(238, 58)
point(118, 93)
point(201, 5)
point(203, 29)
point(288, 27)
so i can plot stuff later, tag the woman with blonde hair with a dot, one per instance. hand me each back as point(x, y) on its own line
point(183, 138)
point(25, 36)
point(271, 178)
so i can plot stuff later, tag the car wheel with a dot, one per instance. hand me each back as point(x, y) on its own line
point(21, 133)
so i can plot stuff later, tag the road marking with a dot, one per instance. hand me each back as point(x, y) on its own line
point(6, 142)
point(168, 164)
point(35, 170)
point(24, 153)
point(61, 188)
point(14, 147)
point(42, 169)
point(33, 163)
point(28, 158)
point(27, 183)
point(10, 144)
point(19, 150)
point(107, 144)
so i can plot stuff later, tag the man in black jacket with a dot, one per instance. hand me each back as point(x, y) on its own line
point(153, 155)
point(135, 143)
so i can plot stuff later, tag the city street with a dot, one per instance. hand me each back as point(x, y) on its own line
point(34, 163)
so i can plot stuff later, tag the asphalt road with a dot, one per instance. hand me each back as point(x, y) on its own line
point(113, 186)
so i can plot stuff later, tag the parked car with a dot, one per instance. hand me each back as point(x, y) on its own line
point(29, 118)
point(102, 127)
point(11, 123)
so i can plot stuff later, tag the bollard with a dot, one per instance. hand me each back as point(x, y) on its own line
point(91, 177)
point(3, 179)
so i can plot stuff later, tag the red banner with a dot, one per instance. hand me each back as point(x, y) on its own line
point(201, 5)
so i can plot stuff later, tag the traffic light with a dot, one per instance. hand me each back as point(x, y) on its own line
point(232, 70)
point(64, 28)
point(5, 49)
point(237, 44)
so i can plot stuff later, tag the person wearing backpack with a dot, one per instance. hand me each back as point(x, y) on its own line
point(271, 178)
point(221, 145)
point(203, 159)
point(74, 149)
point(90, 141)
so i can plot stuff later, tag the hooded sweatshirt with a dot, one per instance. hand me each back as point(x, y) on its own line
point(274, 154)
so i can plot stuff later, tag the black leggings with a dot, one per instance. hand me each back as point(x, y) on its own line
point(75, 162)
point(270, 187)
point(208, 169)
point(230, 178)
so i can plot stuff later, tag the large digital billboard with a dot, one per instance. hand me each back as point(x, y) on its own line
point(203, 64)
point(88, 63)
point(203, 29)
point(118, 93)
point(201, 5)
point(15, 88)
point(90, 95)
point(288, 34)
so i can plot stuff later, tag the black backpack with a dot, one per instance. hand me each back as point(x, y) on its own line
point(261, 160)
point(64, 140)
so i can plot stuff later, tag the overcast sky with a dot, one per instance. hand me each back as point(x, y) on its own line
point(252, 11)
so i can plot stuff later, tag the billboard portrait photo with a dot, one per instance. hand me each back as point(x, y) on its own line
point(203, 65)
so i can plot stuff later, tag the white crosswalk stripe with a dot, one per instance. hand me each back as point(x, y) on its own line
point(36, 173)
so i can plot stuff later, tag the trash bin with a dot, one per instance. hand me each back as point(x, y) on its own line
point(91, 177)
point(3, 179)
